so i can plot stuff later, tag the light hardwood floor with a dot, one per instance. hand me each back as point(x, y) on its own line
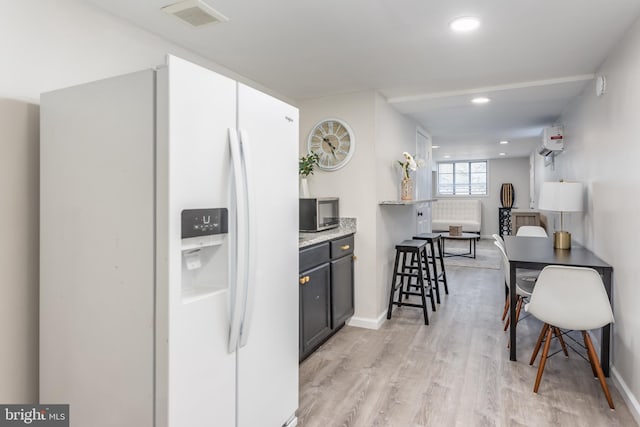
point(454, 372)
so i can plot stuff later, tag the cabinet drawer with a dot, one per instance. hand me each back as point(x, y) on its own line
point(312, 256)
point(342, 247)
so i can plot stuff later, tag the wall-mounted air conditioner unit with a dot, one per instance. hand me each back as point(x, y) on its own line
point(552, 141)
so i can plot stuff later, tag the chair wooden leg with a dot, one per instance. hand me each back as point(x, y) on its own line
point(506, 308)
point(593, 366)
point(543, 360)
point(562, 344)
point(544, 330)
point(596, 362)
point(519, 308)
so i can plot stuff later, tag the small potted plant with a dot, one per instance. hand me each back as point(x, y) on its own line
point(305, 168)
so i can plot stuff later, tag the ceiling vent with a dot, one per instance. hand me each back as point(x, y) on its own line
point(195, 12)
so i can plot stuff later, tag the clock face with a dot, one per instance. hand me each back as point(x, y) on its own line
point(332, 140)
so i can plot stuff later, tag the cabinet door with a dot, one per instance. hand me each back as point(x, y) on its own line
point(341, 290)
point(315, 316)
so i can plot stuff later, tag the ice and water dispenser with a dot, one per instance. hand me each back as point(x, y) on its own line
point(204, 252)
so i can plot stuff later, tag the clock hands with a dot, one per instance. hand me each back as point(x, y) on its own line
point(333, 149)
point(325, 139)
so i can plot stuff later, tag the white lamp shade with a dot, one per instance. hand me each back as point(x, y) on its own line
point(561, 197)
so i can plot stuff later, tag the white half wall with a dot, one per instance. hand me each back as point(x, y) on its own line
point(395, 133)
point(602, 151)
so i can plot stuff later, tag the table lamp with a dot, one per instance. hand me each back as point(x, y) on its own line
point(561, 197)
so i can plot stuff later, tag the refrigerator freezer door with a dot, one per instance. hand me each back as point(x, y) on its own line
point(196, 375)
point(268, 362)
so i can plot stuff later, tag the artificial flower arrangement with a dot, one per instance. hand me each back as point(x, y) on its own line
point(409, 164)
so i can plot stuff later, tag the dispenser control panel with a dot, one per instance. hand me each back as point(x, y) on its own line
point(204, 222)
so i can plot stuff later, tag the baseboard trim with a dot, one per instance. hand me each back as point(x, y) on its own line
point(367, 322)
point(627, 395)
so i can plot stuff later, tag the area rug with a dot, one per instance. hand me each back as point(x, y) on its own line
point(487, 255)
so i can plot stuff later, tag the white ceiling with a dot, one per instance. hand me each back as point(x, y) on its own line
point(530, 56)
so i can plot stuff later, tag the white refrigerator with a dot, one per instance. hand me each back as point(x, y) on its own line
point(169, 252)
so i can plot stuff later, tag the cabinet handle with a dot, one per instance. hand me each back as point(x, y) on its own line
point(345, 247)
point(307, 279)
point(304, 279)
point(354, 257)
point(302, 282)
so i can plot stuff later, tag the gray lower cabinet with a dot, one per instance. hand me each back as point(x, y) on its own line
point(315, 324)
point(326, 291)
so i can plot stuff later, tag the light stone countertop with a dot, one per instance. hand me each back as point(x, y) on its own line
point(347, 226)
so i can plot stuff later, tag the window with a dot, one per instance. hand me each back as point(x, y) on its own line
point(462, 178)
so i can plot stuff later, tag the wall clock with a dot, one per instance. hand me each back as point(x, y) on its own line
point(334, 143)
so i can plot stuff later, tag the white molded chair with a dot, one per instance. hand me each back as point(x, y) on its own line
point(554, 302)
point(531, 231)
point(498, 239)
point(525, 283)
point(499, 242)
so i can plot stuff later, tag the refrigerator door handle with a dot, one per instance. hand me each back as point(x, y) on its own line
point(238, 281)
point(250, 275)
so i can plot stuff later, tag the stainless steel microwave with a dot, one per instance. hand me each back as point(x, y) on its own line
point(317, 214)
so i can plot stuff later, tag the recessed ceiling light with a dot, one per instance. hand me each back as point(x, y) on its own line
point(464, 24)
point(446, 156)
point(435, 146)
point(480, 100)
point(504, 142)
point(502, 154)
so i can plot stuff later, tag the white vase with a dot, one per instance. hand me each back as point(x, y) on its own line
point(304, 188)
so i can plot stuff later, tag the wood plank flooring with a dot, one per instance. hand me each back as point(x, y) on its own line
point(455, 372)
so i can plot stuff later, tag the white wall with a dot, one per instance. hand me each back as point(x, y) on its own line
point(48, 45)
point(602, 151)
point(514, 171)
point(51, 44)
point(381, 134)
point(354, 184)
point(19, 228)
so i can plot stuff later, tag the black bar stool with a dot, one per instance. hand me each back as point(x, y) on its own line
point(414, 256)
point(431, 239)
